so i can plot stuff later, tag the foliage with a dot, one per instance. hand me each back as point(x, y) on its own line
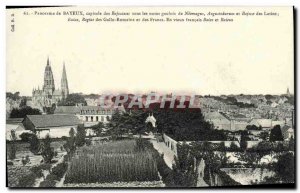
point(72, 100)
point(13, 148)
point(292, 144)
point(45, 166)
point(276, 134)
point(183, 124)
point(98, 128)
point(264, 135)
point(60, 169)
point(244, 139)
point(27, 180)
point(80, 136)
point(14, 96)
point(34, 144)
point(22, 112)
point(183, 168)
point(37, 170)
point(233, 147)
point(26, 136)
point(70, 142)
point(50, 110)
point(47, 151)
point(52, 177)
point(111, 162)
point(48, 184)
point(227, 180)
point(23, 102)
point(25, 160)
point(285, 167)
point(253, 127)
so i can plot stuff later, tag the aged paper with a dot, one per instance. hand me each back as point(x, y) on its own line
point(150, 96)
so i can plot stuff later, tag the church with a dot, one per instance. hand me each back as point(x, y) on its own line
point(48, 95)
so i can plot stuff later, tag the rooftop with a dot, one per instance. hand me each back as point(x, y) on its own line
point(42, 121)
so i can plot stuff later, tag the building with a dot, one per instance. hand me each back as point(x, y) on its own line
point(56, 126)
point(48, 95)
point(15, 125)
point(89, 115)
point(219, 121)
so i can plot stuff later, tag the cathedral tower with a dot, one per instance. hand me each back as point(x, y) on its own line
point(48, 79)
point(64, 83)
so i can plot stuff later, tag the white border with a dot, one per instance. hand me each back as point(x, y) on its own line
point(3, 3)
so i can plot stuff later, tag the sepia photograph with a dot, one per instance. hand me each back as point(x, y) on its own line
point(150, 97)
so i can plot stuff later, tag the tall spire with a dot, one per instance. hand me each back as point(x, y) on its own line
point(48, 63)
point(64, 82)
point(48, 79)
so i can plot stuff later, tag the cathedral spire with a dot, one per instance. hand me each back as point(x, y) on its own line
point(48, 79)
point(64, 82)
point(48, 63)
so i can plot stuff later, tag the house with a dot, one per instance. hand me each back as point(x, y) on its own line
point(15, 125)
point(89, 115)
point(265, 124)
point(56, 126)
point(218, 119)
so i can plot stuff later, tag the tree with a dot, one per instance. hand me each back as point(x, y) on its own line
point(70, 142)
point(252, 127)
point(26, 136)
point(244, 139)
point(23, 102)
point(34, 144)
point(22, 112)
point(47, 150)
point(72, 100)
point(292, 144)
point(264, 135)
point(276, 134)
point(15, 96)
point(98, 128)
point(183, 168)
point(285, 168)
point(80, 136)
point(234, 147)
point(13, 147)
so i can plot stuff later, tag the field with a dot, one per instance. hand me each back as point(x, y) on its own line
point(118, 161)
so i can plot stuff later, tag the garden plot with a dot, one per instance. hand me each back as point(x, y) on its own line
point(114, 163)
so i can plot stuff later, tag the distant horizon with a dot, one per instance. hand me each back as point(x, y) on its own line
point(162, 93)
point(252, 55)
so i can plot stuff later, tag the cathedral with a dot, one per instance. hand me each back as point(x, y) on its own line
point(48, 95)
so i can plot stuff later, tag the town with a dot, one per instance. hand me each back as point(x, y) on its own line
point(55, 138)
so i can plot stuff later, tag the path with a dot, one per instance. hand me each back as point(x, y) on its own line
point(162, 148)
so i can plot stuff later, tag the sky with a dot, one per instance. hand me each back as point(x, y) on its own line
point(252, 55)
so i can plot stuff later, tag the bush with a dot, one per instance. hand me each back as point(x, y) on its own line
point(60, 170)
point(26, 137)
point(45, 166)
point(12, 151)
point(52, 177)
point(25, 160)
point(10, 163)
point(227, 180)
point(48, 184)
point(88, 142)
point(47, 151)
point(27, 180)
point(37, 171)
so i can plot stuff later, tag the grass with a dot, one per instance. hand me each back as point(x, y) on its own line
point(119, 161)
